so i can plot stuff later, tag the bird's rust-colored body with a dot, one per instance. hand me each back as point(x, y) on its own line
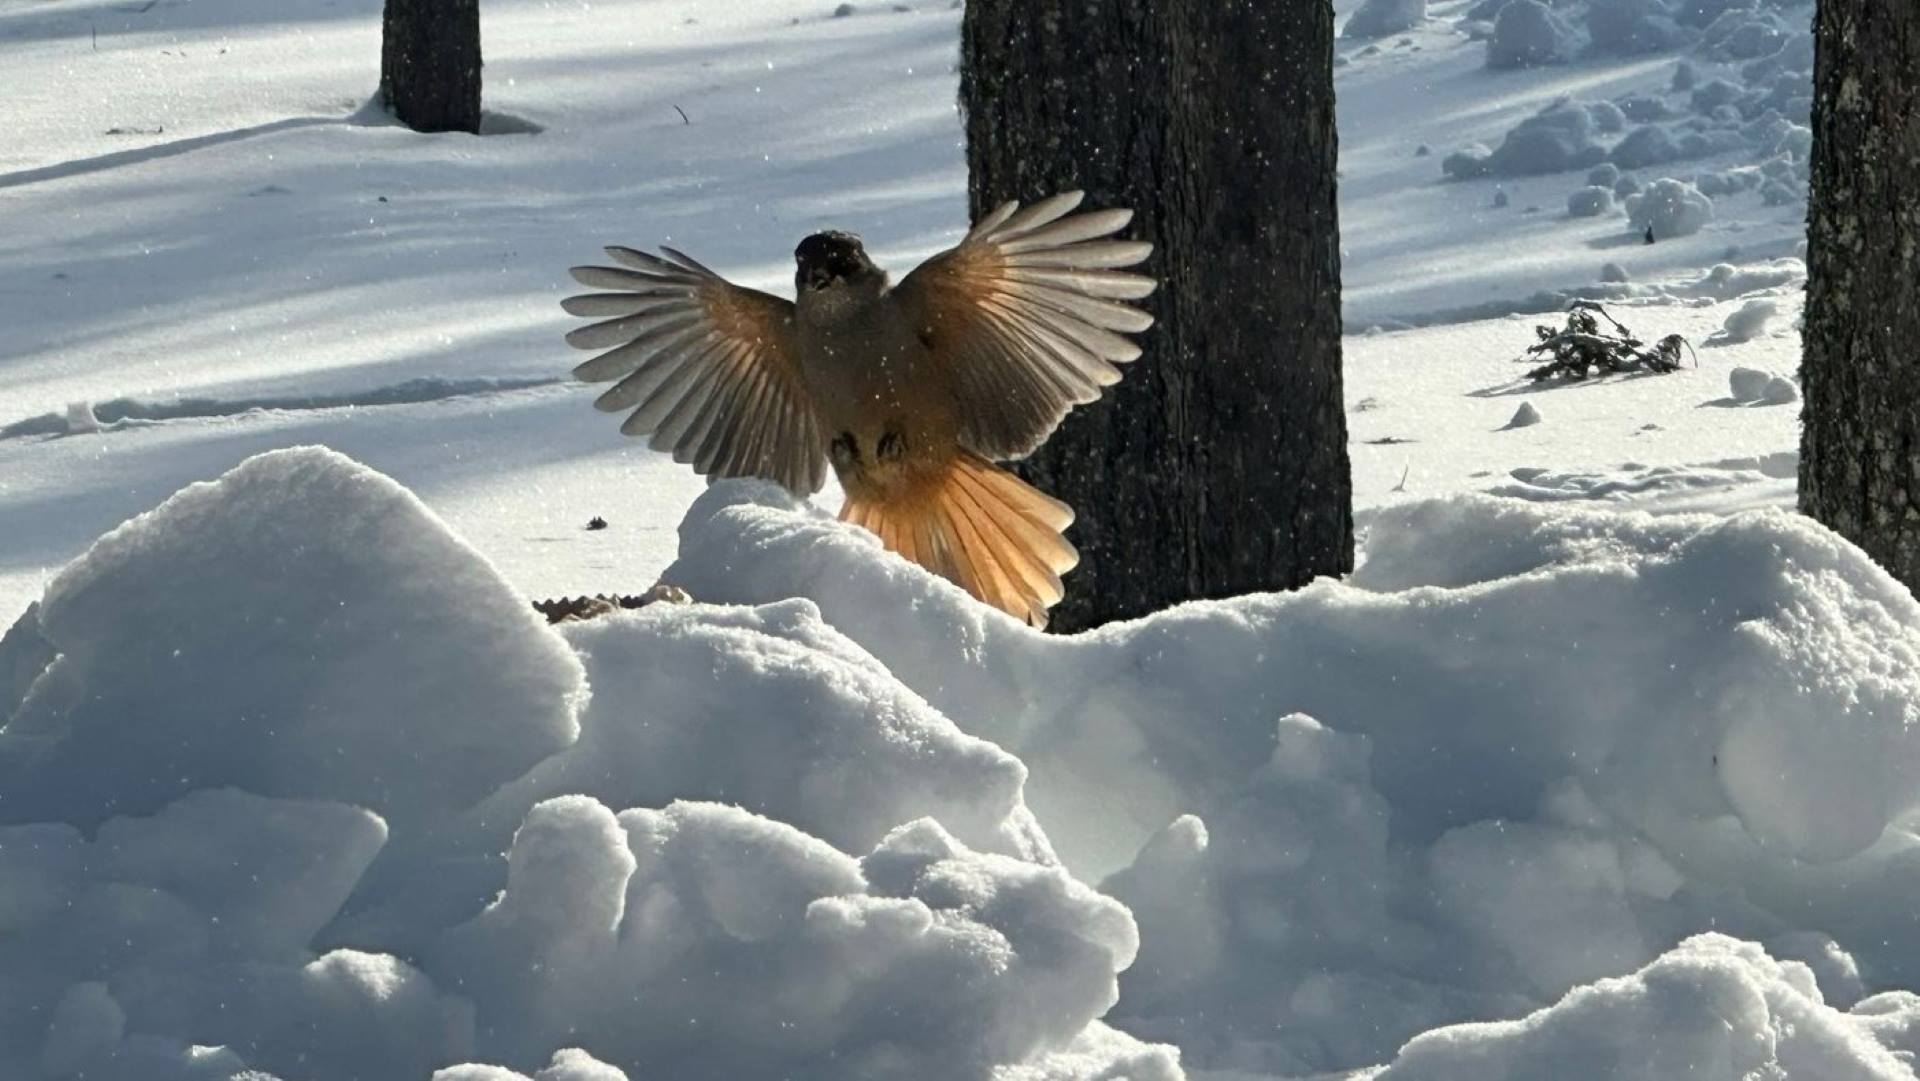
point(910, 392)
point(885, 404)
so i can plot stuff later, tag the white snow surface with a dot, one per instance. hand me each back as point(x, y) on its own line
point(216, 250)
point(187, 854)
point(1501, 779)
point(1601, 764)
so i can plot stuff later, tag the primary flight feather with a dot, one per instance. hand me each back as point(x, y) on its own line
point(910, 392)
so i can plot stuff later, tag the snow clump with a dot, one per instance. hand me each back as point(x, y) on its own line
point(1671, 207)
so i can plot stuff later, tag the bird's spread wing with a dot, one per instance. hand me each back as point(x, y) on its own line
point(1026, 314)
point(708, 368)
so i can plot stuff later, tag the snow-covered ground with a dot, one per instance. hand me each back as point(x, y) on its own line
point(1602, 751)
point(197, 208)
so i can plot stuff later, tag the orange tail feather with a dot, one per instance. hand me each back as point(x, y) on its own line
point(982, 528)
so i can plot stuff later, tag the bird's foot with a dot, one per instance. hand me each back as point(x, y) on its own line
point(893, 446)
point(844, 451)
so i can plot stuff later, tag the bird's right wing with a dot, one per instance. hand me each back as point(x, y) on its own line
point(1026, 314)
point(708, 368)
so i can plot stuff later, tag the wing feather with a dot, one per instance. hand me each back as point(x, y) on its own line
point(708, 369)
point(1027, 316)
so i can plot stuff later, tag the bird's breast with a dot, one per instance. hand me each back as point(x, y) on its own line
point(883, 409)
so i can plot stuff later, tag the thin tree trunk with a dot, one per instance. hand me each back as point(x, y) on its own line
point(1218, 466)
point(430, 63)
point(1860, 438)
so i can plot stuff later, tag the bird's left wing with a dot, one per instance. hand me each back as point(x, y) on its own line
point(1025, 315)
point(708, 368)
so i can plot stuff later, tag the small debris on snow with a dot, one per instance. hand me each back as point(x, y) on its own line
point(596, 522)
point(1585, 348)
point(573, 609)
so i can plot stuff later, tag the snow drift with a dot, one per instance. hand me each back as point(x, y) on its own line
point(290, 725)
point(1525, 748)
point(1464, 815)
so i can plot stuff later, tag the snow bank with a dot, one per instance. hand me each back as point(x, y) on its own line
point(1348, 815)
point(1640, 484)
point(764, 952)
point(1523, 753)
point(767, 708)
point(1712, 1007)
point(297, 785)
point(570, 1064)
point(302, 627)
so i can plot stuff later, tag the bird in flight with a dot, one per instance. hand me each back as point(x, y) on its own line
point(911, 392)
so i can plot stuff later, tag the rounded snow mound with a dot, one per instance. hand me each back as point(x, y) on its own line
point(1589, 202)
point(1671, 208)
point(1746, 323)
point(1711, 1007)
point(1528, 33)
point(1500, 778)
point(295, 785)
point(1534, 744)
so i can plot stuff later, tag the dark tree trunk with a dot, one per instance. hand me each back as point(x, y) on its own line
point(1860, 439)
point(1218, 466)
point(430, 63)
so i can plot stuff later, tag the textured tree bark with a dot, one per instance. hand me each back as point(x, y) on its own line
point(1218, 466)
point(430, 63)
point(1860, 436)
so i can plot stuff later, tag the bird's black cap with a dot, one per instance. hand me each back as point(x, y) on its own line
point(831, 254)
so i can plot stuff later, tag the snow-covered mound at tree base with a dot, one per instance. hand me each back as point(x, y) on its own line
point(1524, 749)
point(291, 724)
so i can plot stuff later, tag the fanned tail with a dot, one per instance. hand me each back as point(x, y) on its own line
point(982, 528)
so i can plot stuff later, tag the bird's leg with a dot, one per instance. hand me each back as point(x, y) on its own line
point(892, 447)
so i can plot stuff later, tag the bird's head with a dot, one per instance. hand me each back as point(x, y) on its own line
point(831, 258)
